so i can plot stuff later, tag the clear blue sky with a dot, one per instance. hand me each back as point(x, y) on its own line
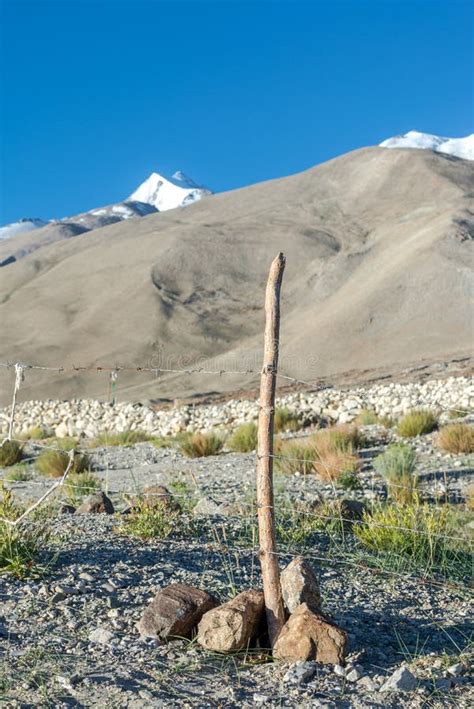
point(98, 94)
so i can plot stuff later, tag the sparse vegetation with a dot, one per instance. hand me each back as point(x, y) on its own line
point(456, 438)
point(416, 423)
point(418, 537)
point(244, 438)
point(10, 453)
point(78, 484)
point(53, 463)
point(36, 433)
point(285, 420)
point(328, 453)
point(124, 438)
point(369, 417)
point(148, 522)
point(349, 480)
point(397, 466)
point(18, 473)
point(18, 546)
point(198, 445)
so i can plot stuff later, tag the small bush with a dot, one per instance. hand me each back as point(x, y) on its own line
point(295, 457)
point(36, 433)
point(53, 463)
point(67, 443)
point(244, 438)
point(77, 485)
point(18, 547)
point(456, 438)
point(340, 439)
point(198, 445)
point(416, 534)
point(331, 465)
point(285, 420)
point(349, 480)
point(458, 413)
point(397, 466)
point(125, 438)
point(367, 417)
point(416, 423)
point(149, 523)
point(18, 473)
point(10, 453)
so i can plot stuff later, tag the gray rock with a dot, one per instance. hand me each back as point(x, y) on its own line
point(401, 680)
point(456, 670)
point(175, 611)
point(299, 584)
point(299, 673)
point(95, 504)
point(353, 675)
point(101, 636)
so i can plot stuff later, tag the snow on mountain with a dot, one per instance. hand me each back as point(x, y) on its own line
point(9, 230)
point(169, 193)
point(459, 147)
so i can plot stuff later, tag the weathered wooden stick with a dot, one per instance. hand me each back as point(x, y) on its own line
point(266, 517)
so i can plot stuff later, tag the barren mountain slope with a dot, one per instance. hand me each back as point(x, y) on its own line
point(378, 245)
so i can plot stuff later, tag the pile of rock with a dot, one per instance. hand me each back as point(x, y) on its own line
point(86, 417)
point(179, 610)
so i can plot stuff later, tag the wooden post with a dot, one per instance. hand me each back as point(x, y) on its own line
point(266, 517)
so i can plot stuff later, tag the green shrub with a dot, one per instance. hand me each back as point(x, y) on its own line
point(349, 480)
point(18, 473)
point(78, 485)
point(198, 445)
point(413, 535)
point(417, 422)
point(285, 420)
point(18, 546)
point(54, 463)
point(149, 522)
point(367, 417)
point(36, 433)
point(125, 438)
point(456, 438)
point(295, 456)
point(244, 438)
point(397, 466)
point(10, 453)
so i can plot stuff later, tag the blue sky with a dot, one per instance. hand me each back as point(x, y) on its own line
point(95, 94)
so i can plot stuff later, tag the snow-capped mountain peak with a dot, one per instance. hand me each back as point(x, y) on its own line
point(168, 193)
point(9, 230)
point(459, 147)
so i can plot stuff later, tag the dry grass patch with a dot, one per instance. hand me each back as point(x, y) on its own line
point(329, 453)
point(124, 438)
point(10, 453)
point(198, 445)
point(416, 423)
point(244, 438)
point(456, 438)
point(53, 463)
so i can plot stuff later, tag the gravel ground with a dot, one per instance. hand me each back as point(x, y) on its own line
point(100, 580)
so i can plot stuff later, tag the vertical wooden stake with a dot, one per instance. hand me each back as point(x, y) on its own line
point(266, 517)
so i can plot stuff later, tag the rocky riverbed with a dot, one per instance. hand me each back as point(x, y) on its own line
point(89, 417)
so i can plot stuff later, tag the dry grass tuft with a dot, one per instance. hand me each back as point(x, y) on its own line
point(53, 463)
point(244, 438)
point(198, 445)
point(456, 438)
point(416, 423)
point(10, 453)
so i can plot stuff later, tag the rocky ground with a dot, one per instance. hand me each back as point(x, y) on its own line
point(69, 638)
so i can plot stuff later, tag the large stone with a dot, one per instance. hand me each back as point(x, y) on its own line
point(299, 584)
point(155, 497)
point(310, 636)
point(401, 680)
point(96, 503)
point(234, 624)
point(175, 611)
